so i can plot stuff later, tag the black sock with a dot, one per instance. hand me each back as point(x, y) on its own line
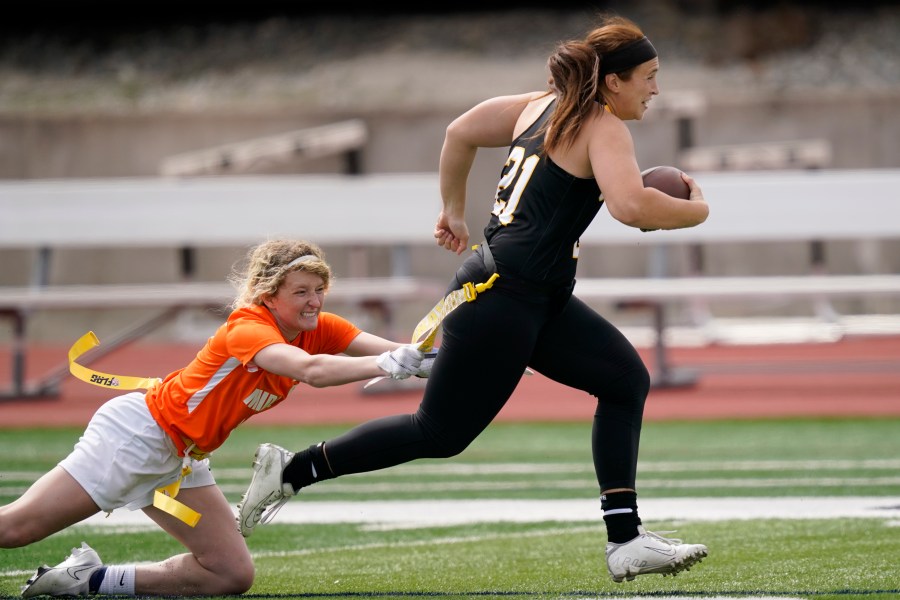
point(307, 467)
point(96, 579)
point(621, 516)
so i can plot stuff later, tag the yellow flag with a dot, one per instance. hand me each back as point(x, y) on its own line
point(105, 380)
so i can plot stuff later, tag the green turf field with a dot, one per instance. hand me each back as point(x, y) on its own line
point(846, 559)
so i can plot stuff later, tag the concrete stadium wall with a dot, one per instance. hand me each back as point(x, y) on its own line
point(864, 132)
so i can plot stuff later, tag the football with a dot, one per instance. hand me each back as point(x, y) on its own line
point(667, 180)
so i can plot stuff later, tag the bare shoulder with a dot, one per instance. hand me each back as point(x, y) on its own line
point(606, 128)
point(604, 120)
point(537, 102)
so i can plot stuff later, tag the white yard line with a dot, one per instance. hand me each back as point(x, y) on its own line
point(429, 513)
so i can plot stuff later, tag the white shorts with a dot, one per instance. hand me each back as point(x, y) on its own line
point(124, 455)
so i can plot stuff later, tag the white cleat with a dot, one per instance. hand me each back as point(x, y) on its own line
point(266, 488)
point(69, 578)
point(651, 553)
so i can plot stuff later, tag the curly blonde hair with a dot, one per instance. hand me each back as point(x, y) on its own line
point(268, 264)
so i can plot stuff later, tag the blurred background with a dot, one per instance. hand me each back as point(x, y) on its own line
point(164, 91)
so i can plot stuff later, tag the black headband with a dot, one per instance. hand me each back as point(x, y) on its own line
point(625, 57)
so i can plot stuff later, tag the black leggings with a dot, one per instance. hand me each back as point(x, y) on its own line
point(485, 347)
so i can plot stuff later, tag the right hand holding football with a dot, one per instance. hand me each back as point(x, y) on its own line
point(402, 362)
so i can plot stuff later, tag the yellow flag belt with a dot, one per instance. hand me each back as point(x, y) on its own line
point(426, 331)
point(164, 497)
point(121, 382)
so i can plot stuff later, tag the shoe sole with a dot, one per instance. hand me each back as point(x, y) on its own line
point(684, 564)
point(240, 505)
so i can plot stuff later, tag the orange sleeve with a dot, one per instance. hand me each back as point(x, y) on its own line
point(249, 331)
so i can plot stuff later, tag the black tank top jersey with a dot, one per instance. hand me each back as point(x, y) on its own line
point(539, 213)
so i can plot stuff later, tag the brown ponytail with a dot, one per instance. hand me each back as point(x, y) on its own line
point(575, 77)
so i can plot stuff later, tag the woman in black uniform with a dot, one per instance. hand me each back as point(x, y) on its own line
point(566, 145)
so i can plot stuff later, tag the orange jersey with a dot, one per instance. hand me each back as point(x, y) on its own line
point(216, 392)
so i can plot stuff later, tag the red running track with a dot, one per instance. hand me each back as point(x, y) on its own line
point(856, 376)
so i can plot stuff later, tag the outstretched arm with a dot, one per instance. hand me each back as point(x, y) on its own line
point(399, 361)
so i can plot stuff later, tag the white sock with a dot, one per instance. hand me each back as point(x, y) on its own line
point(119, 580)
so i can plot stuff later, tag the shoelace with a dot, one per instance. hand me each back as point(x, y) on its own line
point(665, 540)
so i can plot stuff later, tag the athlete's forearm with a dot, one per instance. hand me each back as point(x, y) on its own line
point(456, 162)
point(325, 370)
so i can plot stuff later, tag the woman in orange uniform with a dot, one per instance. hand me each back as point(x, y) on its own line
point(150, 450)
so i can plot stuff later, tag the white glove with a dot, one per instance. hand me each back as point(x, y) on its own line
point(401, 363)
point(427, 362)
